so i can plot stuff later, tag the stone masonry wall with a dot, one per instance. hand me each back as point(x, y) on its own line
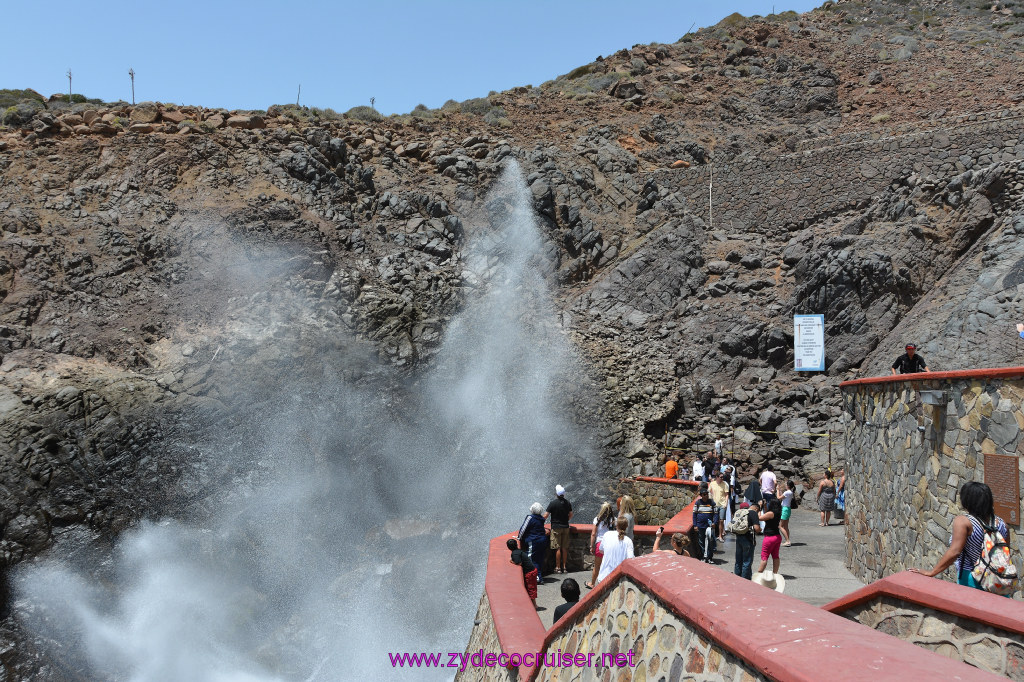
point(485, 637)
point(907, 460)
point(627, 618)
point(961, 639)
point(766, 194)
point(663, 645)
point(656, 503)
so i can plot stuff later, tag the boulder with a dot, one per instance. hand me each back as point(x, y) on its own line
point(141, 128)
point(246, 122)
point(101, 128)
point(627, 90)
point(680, 164)
point(791, 434)
point(90, 115)
point(215, 121)
point(73, 120)
point(172, 116)
point(145, 112)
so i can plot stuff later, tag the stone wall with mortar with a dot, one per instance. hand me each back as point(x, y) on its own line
point(657, 500)
point(960, 639)
point(664, 646)
point(484, 637)
point(759, 195)
point(656, 608)
point(906, 461)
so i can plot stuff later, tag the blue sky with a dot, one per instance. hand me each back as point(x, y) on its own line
point(400, 52)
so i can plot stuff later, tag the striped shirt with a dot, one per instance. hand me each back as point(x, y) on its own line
point(975, 544)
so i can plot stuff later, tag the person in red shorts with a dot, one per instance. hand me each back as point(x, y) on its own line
point(771, 514)
point(522, 559)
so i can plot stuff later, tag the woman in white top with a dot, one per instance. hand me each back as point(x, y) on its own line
point(628, 510)
point(786, 495)
point(603, 523)
point(617, 547)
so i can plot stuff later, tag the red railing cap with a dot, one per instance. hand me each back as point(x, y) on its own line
point(965, 602)
point(993, 373)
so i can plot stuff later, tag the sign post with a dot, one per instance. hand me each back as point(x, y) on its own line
point(809, 343)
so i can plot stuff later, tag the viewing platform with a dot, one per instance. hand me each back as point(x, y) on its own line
point(681, 618)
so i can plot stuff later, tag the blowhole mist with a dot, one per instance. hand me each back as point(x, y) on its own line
point(365, 530)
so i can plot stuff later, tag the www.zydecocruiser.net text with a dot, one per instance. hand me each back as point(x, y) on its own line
point(479, 659)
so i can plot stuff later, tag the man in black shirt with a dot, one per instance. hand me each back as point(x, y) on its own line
point(704, 517)
point(571, 595)
point(560, 511)
point(910, 362)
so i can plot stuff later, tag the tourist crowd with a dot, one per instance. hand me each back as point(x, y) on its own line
point(762, 507)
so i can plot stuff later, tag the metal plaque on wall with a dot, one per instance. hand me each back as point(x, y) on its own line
point(1003, 477)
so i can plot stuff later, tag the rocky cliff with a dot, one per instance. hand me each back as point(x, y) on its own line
point(166, 270)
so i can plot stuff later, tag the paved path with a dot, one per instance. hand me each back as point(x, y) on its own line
point(814, 567)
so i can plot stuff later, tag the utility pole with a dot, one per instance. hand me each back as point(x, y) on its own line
point(69, 86)
point(131, 74)
point(372, 100)
point(298, 96)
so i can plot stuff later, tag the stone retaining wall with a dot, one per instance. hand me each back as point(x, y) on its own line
point(906, 461)
point(485, 638)
point(631, 620)
point(759, 195)
point(657, 499)
point(961, 623)
point(960, 639)
point(667, 617)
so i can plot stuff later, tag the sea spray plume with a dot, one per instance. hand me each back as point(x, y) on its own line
point(364, 526)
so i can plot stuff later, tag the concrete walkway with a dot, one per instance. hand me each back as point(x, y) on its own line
point(814, 567)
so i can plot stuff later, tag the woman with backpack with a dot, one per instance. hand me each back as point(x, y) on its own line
point(967, 541)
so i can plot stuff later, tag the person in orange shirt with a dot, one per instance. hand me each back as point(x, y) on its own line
point(671, 467)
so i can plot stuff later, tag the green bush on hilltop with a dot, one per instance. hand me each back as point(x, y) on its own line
point(364, 113)
point(580, 71)
point(422, 111)
point(734, 20)
point(477, 105)
point(9, 98)
point(594, 81)
point(61, 100)
point(21, 113)
point(302, 114)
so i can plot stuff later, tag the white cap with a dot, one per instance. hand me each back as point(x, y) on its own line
point(769, 577)
point(559, 490)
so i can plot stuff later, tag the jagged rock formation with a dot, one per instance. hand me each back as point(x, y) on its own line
point(860, 161)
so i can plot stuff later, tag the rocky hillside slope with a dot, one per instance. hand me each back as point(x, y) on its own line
point(165, 269)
